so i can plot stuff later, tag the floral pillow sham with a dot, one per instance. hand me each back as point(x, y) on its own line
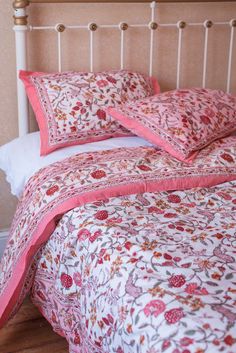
point(70, 106)
point(180, 121)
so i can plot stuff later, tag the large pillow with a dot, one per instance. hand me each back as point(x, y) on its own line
point(180, 121)
point(70, 106)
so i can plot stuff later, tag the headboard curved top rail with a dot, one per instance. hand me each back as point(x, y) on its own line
point(24, 3)
point(180, 26)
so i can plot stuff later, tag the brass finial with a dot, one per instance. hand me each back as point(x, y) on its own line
point(20, 17)
point(20, 21)
point(20, 4)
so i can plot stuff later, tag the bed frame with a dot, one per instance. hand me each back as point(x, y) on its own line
point(21, 28)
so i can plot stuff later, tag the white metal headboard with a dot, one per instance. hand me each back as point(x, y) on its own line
point(21, 28)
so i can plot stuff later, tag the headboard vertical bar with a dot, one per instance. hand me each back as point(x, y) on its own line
point(59, 51)
point(205, 58)
point(122, 34)
point(21, 64)
point(92, 27)
point(233, 24)
point(179, 56)
point(153, 7)
point(207, 25)
point(20, 28)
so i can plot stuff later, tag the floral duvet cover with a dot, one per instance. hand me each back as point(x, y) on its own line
point(129, 251)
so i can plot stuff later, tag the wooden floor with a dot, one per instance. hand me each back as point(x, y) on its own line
point(29, 332)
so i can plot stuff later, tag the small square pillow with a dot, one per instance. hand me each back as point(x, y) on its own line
point(70, 106)
point(180, 121)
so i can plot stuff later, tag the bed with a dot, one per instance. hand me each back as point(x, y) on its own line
point(124, 236)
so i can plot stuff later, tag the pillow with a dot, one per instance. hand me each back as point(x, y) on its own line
point(70, 106)
point(20, 158)
point(180, 121)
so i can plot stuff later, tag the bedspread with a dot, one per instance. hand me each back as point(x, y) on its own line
point(136, 267)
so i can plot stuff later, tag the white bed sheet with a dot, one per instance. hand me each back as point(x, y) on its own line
point(20, 158)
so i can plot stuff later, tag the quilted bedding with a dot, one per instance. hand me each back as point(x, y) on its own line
point(129, 251)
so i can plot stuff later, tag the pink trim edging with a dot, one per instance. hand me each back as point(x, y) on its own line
point(147, 134)
point(37, 108)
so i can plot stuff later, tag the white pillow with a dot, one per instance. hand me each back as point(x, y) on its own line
point(20, 158)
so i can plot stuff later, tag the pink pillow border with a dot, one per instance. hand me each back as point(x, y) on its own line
point(45, 148)
point(147, 134)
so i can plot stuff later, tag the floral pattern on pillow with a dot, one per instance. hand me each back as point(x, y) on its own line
point(70, 106)
point(180, 121)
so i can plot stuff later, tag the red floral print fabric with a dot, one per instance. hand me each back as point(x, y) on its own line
point(131, 266)
point(70, 106)
point(181, 121)
point(148, 283)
